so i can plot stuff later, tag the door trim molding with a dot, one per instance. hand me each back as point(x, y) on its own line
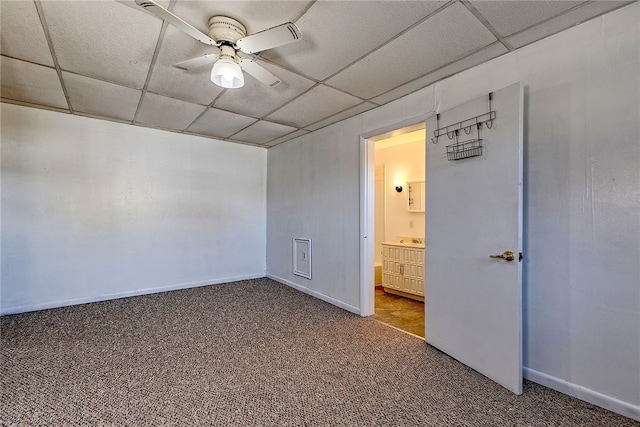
point(367, 226)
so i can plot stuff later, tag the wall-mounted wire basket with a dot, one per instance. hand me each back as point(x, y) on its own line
point(464, 149)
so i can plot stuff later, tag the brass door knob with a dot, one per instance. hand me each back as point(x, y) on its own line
point(507, 255)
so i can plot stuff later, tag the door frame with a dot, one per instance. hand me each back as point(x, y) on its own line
point(492, 367)
point(367, 208)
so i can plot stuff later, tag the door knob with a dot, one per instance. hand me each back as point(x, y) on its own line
point(507, 255)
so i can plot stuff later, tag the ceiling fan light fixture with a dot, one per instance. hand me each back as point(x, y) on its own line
point(229, 36)
point(227, 73)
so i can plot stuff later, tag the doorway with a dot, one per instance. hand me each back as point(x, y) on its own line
point(473, 309)
point(396, 160)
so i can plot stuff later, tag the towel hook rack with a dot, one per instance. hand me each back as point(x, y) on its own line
point(435, 140)
point(489, 123)
point(466, 125)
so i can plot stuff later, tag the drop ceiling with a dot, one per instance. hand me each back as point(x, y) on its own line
point(112, 60)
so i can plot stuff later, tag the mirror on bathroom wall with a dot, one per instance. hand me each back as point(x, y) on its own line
point(415, 196)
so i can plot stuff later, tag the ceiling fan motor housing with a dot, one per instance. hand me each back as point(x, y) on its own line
point(225, 29)
point(227, 52)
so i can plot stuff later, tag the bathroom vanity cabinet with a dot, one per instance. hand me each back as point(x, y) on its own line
point(403, 269)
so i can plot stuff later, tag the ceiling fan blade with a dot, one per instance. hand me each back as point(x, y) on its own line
point(268, 39)
point(172, 19)
point(259, 72)
point(200, 61)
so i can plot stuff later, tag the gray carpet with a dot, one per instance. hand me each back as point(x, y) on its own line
point(252, 353)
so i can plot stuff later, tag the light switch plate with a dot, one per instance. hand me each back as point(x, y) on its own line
point(302, 257)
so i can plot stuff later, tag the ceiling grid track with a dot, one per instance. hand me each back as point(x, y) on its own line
point(568, 11)
point(304, 12)
point(263, 118)
point(152, 65)
point(207, 108)
point(339, 112)
point(438, 69)
point(406, 30)
point(284, 105)
point(56, 64)
point(246, 127)
point(485, 22)
point(39, 106)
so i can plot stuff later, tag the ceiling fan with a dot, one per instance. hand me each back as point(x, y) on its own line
point(235, 48)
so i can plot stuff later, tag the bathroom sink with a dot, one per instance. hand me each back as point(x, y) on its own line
point(413, 245)
point(405, 243)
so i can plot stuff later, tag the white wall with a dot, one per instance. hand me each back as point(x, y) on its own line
point(312, 192)
point(582, 202)
point(404, 163)
point(94, 210)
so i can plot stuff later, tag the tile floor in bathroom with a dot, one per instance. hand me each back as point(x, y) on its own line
point(403, 313)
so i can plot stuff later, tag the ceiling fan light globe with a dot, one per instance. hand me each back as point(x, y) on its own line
point(227, 74)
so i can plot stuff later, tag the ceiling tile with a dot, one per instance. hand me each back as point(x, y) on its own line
point(286, 138)
point(317, 104)
point(100, 98)
point(562, 22)
point(256, 99)
point(450, 34)
point(31, 83)
point(329, 30)
point(167, 113)
point(262, 132)
point(508, 17)
point(193, 85)
point(483, 55)
point(22, 33)
point(219, 123)
point(365, 106)
point(105, 40)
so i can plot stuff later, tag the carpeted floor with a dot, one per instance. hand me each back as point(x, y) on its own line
point(252, 353)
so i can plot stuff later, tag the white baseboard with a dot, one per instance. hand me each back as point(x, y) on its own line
point(583, 393)
point(75, 301)
point(316, 294)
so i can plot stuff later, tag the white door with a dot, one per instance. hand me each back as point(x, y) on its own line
point(473, 309)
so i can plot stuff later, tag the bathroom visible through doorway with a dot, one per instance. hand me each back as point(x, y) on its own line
point(398, 216)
